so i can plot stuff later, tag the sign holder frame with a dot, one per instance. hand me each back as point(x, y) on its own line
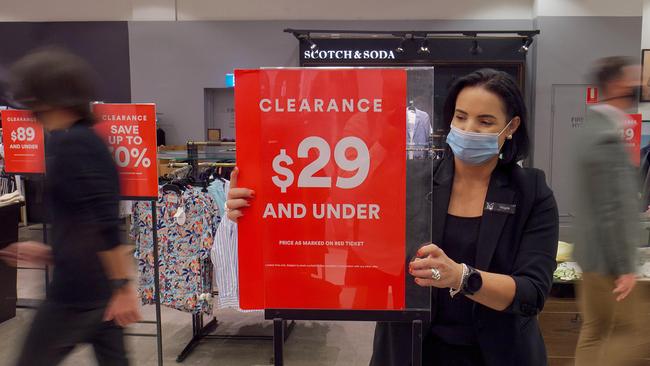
point(154, 232)
point(416, 316)
point(156, 279)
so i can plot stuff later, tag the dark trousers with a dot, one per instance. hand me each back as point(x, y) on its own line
point(58, 328)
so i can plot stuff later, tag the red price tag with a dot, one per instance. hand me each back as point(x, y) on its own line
point(23, 143)
point(324, 152)
point(130, 131)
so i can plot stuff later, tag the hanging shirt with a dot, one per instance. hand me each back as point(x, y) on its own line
point(410, 124)
point(419, 130)
point(218, 192)
point(224, 257)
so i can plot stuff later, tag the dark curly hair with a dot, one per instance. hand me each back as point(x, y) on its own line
point(53, 77)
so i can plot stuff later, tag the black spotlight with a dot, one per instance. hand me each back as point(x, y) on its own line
point(424, 47)
point(312, 46)
point(475, 49)
point(526, 46)
point(402, 45)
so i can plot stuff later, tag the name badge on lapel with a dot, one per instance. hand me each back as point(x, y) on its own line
point(500, 208)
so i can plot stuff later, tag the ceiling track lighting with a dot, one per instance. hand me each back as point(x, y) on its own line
point(526, 37)
point(475, 49)
point(402, 46)
point(312, 45)
point(528, 41)
point(424, 47)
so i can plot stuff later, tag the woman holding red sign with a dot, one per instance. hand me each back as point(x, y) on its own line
point(495, 234)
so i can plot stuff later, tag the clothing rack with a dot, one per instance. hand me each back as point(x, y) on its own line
point(427, 149)
point(7, 184)
point(204, 164)
point(200, 330)
point(210, 143)
point(193, 150)
point(179, 173)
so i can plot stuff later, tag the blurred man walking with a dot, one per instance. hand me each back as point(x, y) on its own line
point(607, 221)
point(91, 295)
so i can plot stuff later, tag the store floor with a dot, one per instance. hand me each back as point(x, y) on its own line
point(311, 343)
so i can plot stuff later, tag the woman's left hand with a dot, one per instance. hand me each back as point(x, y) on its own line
point(431, 256)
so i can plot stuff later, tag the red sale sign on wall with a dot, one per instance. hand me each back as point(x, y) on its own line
point(23, 143)
point(324, 152)
point(631, 133)
point(130, 131)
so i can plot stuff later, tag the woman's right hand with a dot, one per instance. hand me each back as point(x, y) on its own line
point(238, 198)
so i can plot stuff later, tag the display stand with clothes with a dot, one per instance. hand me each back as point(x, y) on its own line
point(189, 210)
point(11, 183)
point(9, 219)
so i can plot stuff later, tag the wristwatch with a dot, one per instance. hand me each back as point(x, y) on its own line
point(472, 282)
point(119, 284)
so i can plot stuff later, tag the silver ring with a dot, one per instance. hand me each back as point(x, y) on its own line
point(435, 274)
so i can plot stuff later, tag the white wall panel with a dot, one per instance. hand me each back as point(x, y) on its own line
point(567, 8)
point(354, 9)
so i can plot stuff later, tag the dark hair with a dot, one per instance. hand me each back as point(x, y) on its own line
point(53, 77)
point(503, 85)
point(608, 69)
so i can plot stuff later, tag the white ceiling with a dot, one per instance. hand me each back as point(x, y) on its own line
point(88, 10)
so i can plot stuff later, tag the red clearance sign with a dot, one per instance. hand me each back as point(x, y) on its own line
point(631, 133)
point(324, 152)
point(130, 132)
point(23, 143)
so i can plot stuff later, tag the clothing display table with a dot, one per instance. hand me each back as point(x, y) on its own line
point(9, 218)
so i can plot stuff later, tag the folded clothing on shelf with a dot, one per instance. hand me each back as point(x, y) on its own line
point(568, 271)
point(564, 252)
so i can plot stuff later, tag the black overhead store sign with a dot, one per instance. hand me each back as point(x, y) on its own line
point(383, 51)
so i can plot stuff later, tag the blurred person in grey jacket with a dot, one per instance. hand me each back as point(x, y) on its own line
point(607, 221)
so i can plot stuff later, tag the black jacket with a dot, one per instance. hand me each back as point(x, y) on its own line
point(522, 244)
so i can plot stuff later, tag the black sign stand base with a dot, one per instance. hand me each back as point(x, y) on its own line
point(156, 280)
point(203, 331)
point(280, 316)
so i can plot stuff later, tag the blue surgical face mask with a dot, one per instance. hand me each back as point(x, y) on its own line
point(474, 148)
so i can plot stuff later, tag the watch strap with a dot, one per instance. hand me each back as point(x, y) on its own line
point(464, 288)
point(118, 284)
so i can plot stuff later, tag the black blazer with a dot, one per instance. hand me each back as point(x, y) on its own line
point(522, 244)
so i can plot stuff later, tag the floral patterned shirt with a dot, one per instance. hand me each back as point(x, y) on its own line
point(186, 227)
